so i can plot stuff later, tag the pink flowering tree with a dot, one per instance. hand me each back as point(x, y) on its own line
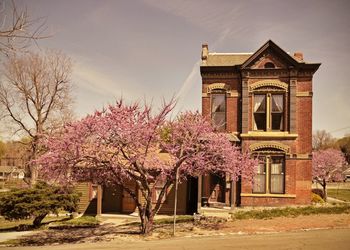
point(328, 165)
point(132, 143)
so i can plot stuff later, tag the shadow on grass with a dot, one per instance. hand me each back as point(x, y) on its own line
point(106, 232)
point(29, 226)
point(76, 235)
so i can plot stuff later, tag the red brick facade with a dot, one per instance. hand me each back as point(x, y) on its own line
point(284, 83)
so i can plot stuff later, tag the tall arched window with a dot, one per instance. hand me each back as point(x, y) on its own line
point(269, 99)
point(218, 109)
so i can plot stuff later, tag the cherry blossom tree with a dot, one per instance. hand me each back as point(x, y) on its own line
point(133, 143)
point(328, 165)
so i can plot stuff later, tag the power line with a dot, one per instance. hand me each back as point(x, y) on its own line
point(339, 129)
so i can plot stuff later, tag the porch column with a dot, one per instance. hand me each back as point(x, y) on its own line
point(233, 196)
point(99, 200)
point(199, 198)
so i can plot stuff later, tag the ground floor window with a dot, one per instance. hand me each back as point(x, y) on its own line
point(269, 175)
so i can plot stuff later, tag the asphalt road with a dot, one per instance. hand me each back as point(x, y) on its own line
point(318, 239)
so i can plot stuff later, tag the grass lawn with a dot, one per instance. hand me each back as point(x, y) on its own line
point(6, 225)
point(83, 221)
point(290, 212)
point(340, 194)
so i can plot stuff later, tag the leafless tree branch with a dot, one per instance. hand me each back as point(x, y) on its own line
point(17, 30)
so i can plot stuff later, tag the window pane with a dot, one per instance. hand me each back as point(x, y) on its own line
point(218, 103)
point(277, 112)
point(218, 109)
point(259, 184)
point(259, 121)
point(219, 120)
point(259, 103)
point(277, 103)
point(259, 181)
point(259, 112)
point(277, 121)
point(277, 175)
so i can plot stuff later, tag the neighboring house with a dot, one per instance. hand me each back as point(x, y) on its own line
point(264, 101)
point(11, 173)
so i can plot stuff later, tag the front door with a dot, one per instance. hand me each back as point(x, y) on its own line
point(217, 187)
point(192, 195)
point(128, 203)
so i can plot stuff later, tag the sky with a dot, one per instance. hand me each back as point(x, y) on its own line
point(150, 49)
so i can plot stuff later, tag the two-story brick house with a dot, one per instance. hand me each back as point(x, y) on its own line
point(264, 100)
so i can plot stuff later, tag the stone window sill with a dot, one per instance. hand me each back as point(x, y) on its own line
point(269, 195)
point(263, 134)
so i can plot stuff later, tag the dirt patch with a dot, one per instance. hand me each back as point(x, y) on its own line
point(108, 232)
point(282, 224)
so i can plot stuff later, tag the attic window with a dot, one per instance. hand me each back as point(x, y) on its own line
point(269, 65)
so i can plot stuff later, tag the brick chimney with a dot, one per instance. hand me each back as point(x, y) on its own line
point(205, 52)
point(299, 56)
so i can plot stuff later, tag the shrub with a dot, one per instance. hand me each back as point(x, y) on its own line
point(37, 202)
point(319, 192)
point(316, 198)
point(290, 212)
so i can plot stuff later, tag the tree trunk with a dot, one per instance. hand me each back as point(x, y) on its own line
point(147, 217)
point(38, 219)
point(33, 169)
point(324, 185)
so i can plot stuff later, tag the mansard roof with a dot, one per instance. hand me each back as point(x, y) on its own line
point(219, 61)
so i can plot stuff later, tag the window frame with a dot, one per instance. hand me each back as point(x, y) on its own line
point(218, 92)
point(268, 175)
point(268, 110)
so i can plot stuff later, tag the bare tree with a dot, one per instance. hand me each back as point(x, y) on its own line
point(35, 96)
point(17, 29)
point(322, 140)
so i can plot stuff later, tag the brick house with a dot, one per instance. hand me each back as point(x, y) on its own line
point(264, 100)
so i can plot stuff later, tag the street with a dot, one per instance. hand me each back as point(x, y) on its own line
point(317, 239)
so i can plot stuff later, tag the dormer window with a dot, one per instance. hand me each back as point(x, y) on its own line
point(269, 65)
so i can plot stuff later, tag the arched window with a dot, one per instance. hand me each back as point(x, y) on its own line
point(217, 93)
point(270, 173)
point(218, 109)
point(269, 99)
point(269, 65)
point(268, 111)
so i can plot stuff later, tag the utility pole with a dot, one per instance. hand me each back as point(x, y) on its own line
point(175, 203)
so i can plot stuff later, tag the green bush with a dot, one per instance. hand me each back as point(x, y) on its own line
point(290, 212)
point(37, 202)
point(319, 192)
